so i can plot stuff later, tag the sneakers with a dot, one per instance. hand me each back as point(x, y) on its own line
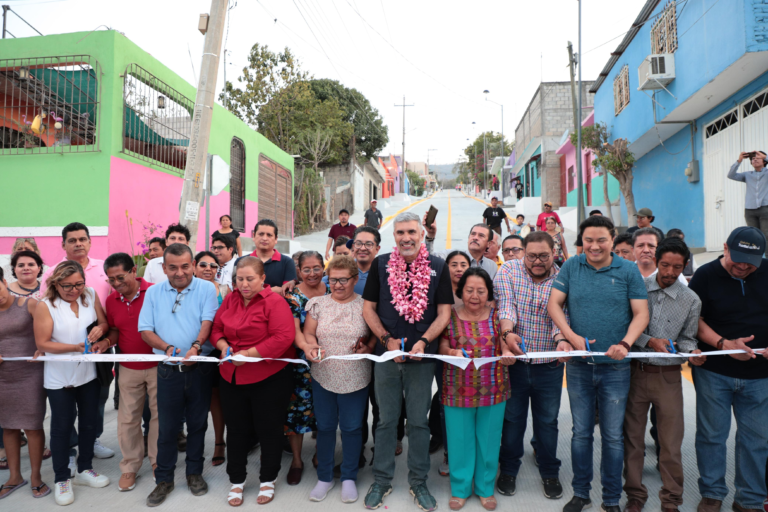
point(102, 452)
point(63, 493)
point(157, 496)
point(609, 508)
point(444, 469)
point(91, 478)
point(577, 505)
point(376, 494)
point(553, 489)
point(197, 485)
point(72, 466)
point(506, 485)
point(422, 497)
point(321, 490)
point(348, 491)
point(127, 482)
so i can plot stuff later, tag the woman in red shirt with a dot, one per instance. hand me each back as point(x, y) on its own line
point(253, 321)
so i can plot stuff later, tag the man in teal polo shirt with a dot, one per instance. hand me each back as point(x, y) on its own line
point(608, 304)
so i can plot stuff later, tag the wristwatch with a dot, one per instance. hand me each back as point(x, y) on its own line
point(625, 345)
point(720, 343)
point(196, 345)
point(173, 352)
point(505, 333)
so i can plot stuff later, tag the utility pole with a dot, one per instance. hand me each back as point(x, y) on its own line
point(5, 17)
point(577, 129)
point(405, 167)
point(197, 152)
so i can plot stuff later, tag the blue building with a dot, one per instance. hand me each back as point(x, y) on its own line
point(688, 88)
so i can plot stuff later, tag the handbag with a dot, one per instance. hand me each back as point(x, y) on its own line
point(104, 369)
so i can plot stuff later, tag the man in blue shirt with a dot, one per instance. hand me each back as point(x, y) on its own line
point(608, 304)
point(176, 319)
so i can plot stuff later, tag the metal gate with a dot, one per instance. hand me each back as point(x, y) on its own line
point(237, 184)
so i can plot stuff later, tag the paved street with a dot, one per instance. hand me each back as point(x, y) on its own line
point(456, 214)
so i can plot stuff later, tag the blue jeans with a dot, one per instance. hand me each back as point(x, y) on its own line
point(176, 393)
point(609, 383)
point(345, 411)
point(716, 396)
point(392, 380)
point(68, 404)
point(541, 386)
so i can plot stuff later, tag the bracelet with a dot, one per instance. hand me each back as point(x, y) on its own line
point(720, 343)
point(384, 339)
point(196, 345)
point(562, 339)
point(505, 333)
point(425, 340)
point(428, 239)
point(625, 345)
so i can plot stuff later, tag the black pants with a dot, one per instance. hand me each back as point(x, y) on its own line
point(258, 408)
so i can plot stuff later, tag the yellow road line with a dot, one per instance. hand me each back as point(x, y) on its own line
point(401, 210)
point(485, 203)
point(448, 229)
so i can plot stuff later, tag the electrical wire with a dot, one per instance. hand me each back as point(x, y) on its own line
point(698, 19)
point(385, 19)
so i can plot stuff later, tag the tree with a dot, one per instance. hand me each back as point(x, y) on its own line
point(474, 153)
point(614, 159)
point(416, 181)
point(371, 134)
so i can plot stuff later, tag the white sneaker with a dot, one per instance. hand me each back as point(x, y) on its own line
point(63, 493)
point(91, 478)
point(102, 452)
point(72, 466)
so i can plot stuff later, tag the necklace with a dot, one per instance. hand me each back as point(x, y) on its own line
point(28, 290)
point(409, 288)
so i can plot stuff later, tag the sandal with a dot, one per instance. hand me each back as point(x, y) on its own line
point(399, 449)
point(3, 463)
point(218, 461)
point(11, 489)
point(39, 488)
point(266, 490)
point(489, 503)
point(234, 495)
point(46, 453)
point(456, 503)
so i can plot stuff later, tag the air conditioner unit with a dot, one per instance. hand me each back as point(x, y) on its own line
point(656, 72)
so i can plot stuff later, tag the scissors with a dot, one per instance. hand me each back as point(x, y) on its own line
point(586, 343)
point(672, 347)
point(87, 347)
point(465, 353)
point(229, 352)
point(522, 345)
point(402, 344)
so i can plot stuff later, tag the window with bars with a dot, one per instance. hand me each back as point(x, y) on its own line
point(237, 184)
point(157, 120)
point(621, 90)
point(664, 31)
point(722, 123)
point(756, 104)
point(50, 105)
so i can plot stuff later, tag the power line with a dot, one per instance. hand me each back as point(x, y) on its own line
point(385, 19)
point(698, 19)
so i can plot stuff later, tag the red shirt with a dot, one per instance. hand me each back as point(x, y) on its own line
point(123, 314)
point(338, 230)
point(266, 323)
point(541, 222)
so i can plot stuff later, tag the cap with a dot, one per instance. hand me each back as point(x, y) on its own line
point(548, 203)
point(374, 201)
point(350, 243)
point(644, 212)
point(746, 245)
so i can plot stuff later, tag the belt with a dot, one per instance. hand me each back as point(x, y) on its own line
point(182, 368)
point(650, 368)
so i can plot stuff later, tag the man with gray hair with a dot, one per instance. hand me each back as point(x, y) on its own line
point(409, 314)
point(480, 237)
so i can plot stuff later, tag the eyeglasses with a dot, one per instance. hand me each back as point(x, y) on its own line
point(69, 287)
point(205, 264)
point(308, 271)
point(368, 245)
point(533, 257)
point(118, 279)
point(514, 250)
point(218, 247)
point(179, 297)
point(341, 280)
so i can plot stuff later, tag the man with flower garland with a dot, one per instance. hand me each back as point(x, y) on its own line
point(408, 300)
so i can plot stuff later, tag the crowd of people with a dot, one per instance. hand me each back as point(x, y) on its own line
point(619, 295)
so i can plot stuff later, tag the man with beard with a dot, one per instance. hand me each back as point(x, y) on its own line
point(522, 291)
point(479, 237)
point(409, 312)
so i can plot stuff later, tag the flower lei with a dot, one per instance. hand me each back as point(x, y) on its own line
point(410, 305)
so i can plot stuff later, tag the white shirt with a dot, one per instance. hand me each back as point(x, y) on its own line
point(154, 272)
point(680, 278)
point(71, 330)
point(224, 275)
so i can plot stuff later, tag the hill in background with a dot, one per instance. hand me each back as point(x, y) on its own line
point(444, 171)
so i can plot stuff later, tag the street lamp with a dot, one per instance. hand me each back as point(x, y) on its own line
point(503, 178)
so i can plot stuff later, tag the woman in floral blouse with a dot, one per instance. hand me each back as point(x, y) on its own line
point(474, 399)
point(335, 327)
point(301, 416)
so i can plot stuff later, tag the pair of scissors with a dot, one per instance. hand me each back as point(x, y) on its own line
point(672, 346)
point(522, 345)
point(87, 347)
point(229, 352)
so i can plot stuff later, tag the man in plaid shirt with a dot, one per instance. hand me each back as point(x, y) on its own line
point(522, 289)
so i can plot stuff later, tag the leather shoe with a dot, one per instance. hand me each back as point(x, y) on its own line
point(634, 506)
point(709, 505)
point(738, 508)
point(294, 475)
point(197, 485)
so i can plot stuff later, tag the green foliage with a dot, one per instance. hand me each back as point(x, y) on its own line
point(472, 169)
point(416, 182)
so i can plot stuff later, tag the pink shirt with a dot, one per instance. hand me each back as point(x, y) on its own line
point(95, 278)
point(541, 222)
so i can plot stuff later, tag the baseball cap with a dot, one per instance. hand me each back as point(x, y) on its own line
point(374, 201)
point(746, 245)
point(644, 212)
point(548, 203)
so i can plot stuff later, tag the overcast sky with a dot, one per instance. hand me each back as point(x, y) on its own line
point(440, 55)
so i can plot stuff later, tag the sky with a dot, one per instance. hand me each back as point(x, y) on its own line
point(440, 55)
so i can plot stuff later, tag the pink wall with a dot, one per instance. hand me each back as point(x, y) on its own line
point(50, 247)
point(150, 195)
point(568, 150)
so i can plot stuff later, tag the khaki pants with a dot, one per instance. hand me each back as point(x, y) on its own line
point(134, 386)
point(665, 391)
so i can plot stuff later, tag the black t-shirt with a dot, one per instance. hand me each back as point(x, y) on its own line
point(443, 295)
point(494, 216)
point(734, 309)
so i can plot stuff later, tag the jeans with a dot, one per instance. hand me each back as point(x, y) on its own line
point(103, 397)
point(392, 380)
point(344, 410)
point(178, 392)
point(609, 383)
point(716, 396)
point(757, 218)
point(541, 386)
point(80, 402)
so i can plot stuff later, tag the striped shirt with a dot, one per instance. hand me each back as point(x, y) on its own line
point(524, 303)
point(674, 315)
